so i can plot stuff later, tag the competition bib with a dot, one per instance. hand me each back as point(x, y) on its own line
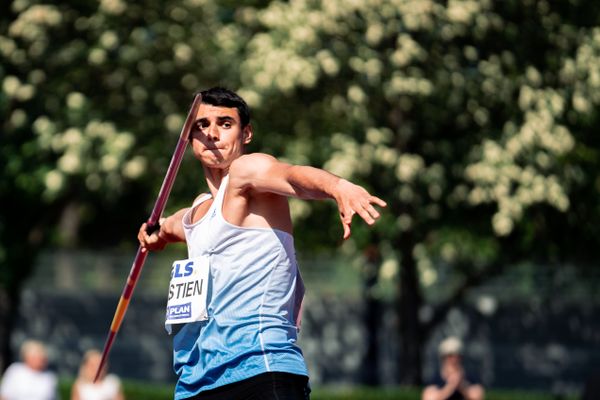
point(187, 292)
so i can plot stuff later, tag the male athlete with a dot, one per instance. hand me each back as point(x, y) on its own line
point(234, 304)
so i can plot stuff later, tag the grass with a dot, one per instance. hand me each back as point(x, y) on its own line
point(408, 393)
point(136, 390)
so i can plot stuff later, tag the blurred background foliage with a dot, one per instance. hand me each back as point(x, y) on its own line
point(475, 120)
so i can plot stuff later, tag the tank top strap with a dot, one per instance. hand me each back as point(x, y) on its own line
point(201, 199)
point(187, 217)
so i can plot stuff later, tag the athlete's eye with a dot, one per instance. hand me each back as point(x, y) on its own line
point(227, 125)
point(202, 125)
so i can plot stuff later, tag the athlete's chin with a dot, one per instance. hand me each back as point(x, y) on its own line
point(212, 154)
point(215, 162)
point(213, 158)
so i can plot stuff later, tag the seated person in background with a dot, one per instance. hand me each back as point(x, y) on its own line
point(108, 386)
point(29, 380)
point(452, 384)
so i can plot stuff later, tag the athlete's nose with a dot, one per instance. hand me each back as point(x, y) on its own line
point(212, 132)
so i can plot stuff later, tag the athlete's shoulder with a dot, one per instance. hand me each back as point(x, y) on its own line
point(255, 158)
point(256, 171)
point(252, 164)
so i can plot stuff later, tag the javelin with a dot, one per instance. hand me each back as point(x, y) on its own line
point(152, 223)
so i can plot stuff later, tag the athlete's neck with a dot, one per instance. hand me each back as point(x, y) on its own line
point(214, 177)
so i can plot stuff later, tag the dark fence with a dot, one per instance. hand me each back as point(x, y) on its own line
point(549, 343)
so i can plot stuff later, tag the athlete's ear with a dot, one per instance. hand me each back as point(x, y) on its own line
point(247, 134)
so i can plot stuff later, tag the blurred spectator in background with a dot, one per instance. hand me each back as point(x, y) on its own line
point(108, 386)
point(452, 383)
point(29, 379)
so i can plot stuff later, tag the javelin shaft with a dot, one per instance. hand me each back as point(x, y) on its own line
point(152, 223)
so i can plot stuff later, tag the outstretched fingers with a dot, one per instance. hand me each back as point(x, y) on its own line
point(365, 209)
point(346, 217)
point(378, 201)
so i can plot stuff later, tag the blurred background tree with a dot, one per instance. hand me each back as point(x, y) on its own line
point(474, 120)
point(92, 95)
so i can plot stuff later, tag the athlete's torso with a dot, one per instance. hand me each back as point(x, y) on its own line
point(254, 298)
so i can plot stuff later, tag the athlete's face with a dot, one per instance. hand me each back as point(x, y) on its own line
point(217, 136)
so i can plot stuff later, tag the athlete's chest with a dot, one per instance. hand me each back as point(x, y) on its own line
point(200, 211)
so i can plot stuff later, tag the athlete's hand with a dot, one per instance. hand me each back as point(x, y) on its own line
point(153, 241)
point(353, 199)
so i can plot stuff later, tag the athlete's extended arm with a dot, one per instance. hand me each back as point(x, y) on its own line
point(264, 173)
point(171, 230)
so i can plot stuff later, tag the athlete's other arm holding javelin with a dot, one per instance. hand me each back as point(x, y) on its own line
point(170, 230)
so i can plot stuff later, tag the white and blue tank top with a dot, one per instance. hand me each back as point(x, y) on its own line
point(254, 299)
